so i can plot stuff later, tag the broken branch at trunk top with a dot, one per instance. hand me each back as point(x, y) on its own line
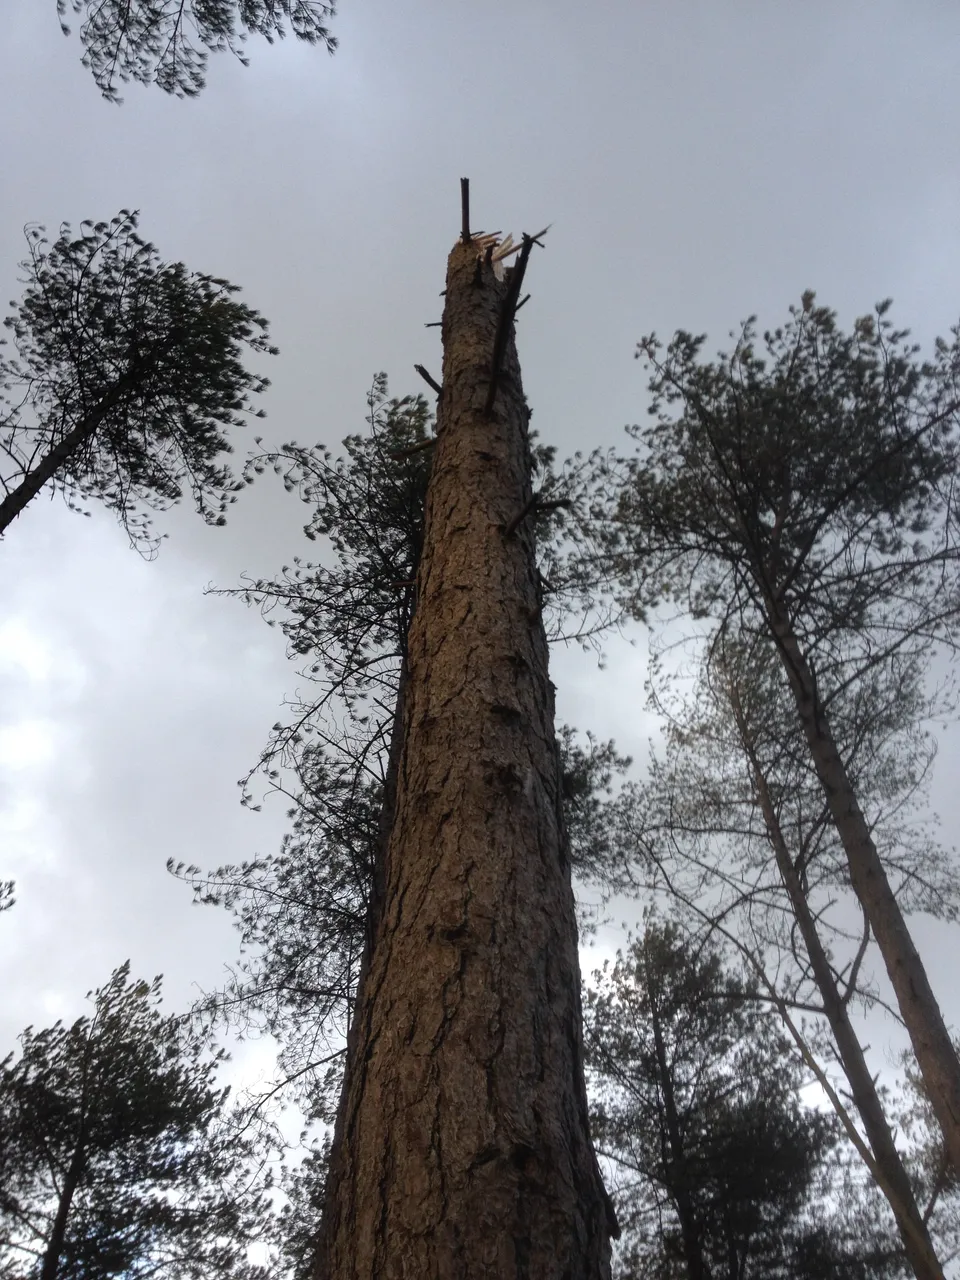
point(507, 312)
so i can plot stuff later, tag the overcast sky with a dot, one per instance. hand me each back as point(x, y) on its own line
point(699, 162)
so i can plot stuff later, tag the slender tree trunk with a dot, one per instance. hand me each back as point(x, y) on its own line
point(51, 1257)
point(463, 1149)
point(893, 1182)
point(53, 462)
point(680, 1187)
point(935, 1054)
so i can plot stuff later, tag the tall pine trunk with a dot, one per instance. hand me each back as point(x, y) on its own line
point(677, 1167)
point(889, 1172)
point(50, 1265)
point(936, 1057)
point(462, 1147)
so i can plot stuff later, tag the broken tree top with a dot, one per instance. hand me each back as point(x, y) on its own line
point(490, 244)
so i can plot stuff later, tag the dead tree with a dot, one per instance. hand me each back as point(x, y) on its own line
point(462, 1147)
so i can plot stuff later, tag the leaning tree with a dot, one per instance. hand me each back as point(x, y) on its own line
point(732, 824)
point(802, 488)
point(125, 380)
point(719, 1167)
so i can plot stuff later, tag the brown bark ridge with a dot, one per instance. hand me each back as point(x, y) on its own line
point(932, 1046)
point(889, 1170)
point(462, 1148)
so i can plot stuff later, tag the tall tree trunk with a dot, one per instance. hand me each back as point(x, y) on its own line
point(463, 1147)
point(934, 1051)
point(893, 1180)
point(51, 1258)
point(680, 1184)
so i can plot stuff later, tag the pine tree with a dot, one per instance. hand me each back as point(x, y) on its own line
point(803, 491)
point(722, 1173)
point(462, 1145)
point(731, 823)
point(116, 1155)
point(304, 913)
point(126, 376)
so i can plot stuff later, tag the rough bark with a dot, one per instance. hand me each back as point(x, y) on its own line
point(892, 1177)
point(932, 1046)
point(462, 1149)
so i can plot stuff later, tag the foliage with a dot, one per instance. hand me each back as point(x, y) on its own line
point(732, 825)
point(305, 1187)
point(301, 915)
point(801, 480)
point(696, 828)
point(168, 42)
point(589, 770)
point(349, 619)
point(802, 496)
point(133, 365)
point(720, 1171)
point(116, 1151)
point(7, 899)
point(815, 473)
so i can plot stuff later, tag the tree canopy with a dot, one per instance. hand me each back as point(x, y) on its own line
point(799, 490)
point(116, 1151)
point(719, 1169)
point(126, 378)
point(169, 42)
